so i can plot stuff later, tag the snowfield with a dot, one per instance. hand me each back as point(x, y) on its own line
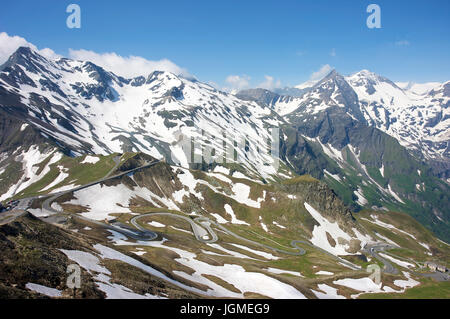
point(90, 160)
point(319, 233)
point(228, 252)
point(50, 292)
point(278, 225)
point(386, 239)
point(102, 275)
point(328, 292)
point(282, 271)
point(361, 284)
point(101, 200)
point(234, 219)
point(264, 226)
point(233, 274)
point(324, 273)
point(408, 283)
point(30, 160)
point(257, 252)
point(156, 224)
point(241, 195)
point(59, 179)
point(240, 191)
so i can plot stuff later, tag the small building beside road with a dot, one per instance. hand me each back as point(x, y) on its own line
point(431, 265)
point(435, 267)
point(441, 268)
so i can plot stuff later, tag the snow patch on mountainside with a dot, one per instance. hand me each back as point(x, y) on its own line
point(328, 292)
point(361, 199)
point(257, 252)
point(50, 292)
point(150, 113)
point(59, 179)
point(320, 233)
point(364, 284)
point(235, 275)
point(90, 160)
point(30, 160)
point(101, 201)
point(234, 219)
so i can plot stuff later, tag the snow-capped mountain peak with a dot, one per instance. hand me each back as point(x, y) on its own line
point(418, 88)
point(419, 122)
point(89, 109)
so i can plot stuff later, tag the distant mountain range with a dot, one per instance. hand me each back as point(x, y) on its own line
point(416, 115)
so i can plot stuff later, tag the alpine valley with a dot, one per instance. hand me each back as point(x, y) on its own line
point(95, 171)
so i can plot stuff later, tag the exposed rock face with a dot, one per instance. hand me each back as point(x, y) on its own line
point(321, 197)
point(30, 253)
point(259, 95)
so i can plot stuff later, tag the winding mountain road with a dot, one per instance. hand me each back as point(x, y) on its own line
point(373, 249)
point(142, 234)
point(46, 205)
point(201, 226)
point(21, 209)
point(25, 203)
point(203, 232)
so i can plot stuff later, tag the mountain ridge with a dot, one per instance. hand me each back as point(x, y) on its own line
point(83, 109)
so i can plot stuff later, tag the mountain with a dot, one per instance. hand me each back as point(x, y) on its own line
point(343, 132)
point(306, 85)
point(418, 88)
point(281, 104)
point(293, 239)
point(78, 107)
point(100, 173)
point(289, 91)
point(417, 116)
point(419, 122)
point(85, 109)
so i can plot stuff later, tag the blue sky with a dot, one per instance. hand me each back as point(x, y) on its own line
point(287, 40)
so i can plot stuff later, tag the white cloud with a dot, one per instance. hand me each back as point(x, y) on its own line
point(130, 66)
point(316, 76)
point(402, 43)
point(270, 83)
point(125, 66)
point(9, 44)
point(321, 73)
point(49, 53)
point(237, 82)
